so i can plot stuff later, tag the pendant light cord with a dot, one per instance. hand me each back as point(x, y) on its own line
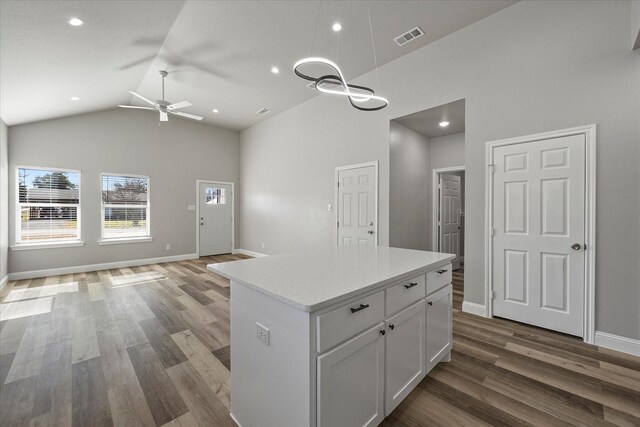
point(373, 46)
point(315, 33)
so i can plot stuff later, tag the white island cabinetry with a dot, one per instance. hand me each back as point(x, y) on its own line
point(334, 337)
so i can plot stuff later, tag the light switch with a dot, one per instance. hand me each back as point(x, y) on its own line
point(191, 207)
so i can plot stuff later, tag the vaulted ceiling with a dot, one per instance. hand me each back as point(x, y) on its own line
point(219, 53)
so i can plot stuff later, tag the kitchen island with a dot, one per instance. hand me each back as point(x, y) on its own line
point(334, 336)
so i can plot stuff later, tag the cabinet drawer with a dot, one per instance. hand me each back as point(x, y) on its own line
point(348, 320)
point(438, 278)
point(403, 294)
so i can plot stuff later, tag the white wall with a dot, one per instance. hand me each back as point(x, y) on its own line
point(532, 67)
point(409, 189)
point(4, 201)
point(173, 155)
point(447, 151)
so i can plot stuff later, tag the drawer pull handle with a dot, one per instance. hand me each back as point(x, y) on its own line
point(442, 271)
point(430, 302)
point(410, 285)
point(362, 307)
point(392, 327)
point(382, 332)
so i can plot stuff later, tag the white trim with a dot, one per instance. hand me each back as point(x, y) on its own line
point(435, 203)
point(589, 132)
point(474, 308)
point(45, 245)
point(95, 267)
point(618, 343)
point(249, 253)
point(335, 197)
point(105, 242)
point(233, 212)
point(4, 281)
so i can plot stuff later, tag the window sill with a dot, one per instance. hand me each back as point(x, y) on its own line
point(52, 245)
point(104, 242)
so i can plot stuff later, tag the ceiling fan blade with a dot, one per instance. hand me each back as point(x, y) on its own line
point(164, 117)
point(135, 106)
point(181, 104)
point(187, 115)
point(142, 97)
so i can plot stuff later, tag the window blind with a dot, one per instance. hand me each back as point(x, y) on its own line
point(48, 205)
point(125, 206)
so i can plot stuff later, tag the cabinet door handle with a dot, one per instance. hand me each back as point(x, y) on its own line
point(392, 327)
point(442, 271)
point(382, 332)
point(429, 302)
point(357, 309)
point(410, 285)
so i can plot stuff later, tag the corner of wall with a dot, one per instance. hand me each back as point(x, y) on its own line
point(4, 202)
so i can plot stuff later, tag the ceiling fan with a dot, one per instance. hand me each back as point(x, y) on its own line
point(164, 107)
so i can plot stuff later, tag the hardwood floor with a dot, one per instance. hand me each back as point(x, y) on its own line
point(149, 346)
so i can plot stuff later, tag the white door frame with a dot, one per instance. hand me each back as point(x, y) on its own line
point(233, 203)
point(375, 201)
point(435, 178)
point(589, 132)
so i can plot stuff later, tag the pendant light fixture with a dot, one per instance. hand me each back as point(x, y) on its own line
point(333, 82)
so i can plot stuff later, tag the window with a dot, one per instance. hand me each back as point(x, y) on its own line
point(48, 208)
point(125, 207)
point(216, 196)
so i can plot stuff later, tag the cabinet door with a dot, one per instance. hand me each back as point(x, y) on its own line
point(351, 382)
point(405, 358)
point(438, 326)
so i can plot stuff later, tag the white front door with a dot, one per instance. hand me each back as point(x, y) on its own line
point(538, 243)
point(357, 206)
point(450, 226)
point(215, 218)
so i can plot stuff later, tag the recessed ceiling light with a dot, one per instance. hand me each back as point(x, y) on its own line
point(336, 27)
point(275, 70)
point(75, 22)
point(444, 124)
point(75, 98)
point(215, 110)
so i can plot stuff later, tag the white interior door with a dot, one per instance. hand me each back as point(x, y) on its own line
point(538, 243)
point(449, 225)
point(357, 206)
point(215, 218)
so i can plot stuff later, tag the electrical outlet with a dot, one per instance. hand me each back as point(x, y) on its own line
point(168, 247)
point(329, 207)
point(263, 333)
point(191, 207)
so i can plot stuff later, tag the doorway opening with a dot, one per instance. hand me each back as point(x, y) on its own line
point(426, 148)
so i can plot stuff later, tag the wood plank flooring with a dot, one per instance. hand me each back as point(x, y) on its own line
point(149, 346)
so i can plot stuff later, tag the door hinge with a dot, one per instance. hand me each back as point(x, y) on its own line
point(338, 224)
point(493, 295)
point(493, 232)
point(338, 185)
point(492, 168)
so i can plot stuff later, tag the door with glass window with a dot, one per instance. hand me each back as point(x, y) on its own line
point(215, 221)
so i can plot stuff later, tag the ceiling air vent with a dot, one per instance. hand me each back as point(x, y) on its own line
point(263, 111)
point(409, 36)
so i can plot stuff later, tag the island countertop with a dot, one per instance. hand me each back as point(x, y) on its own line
point(313, 279)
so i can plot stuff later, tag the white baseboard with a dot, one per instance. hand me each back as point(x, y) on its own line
point(249, 253)
point(4, 281)
point(95, 267)
point(474, 308)
point(618, 343)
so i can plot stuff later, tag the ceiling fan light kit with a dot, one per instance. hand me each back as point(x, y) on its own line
point(334, 83)
point(162, 106)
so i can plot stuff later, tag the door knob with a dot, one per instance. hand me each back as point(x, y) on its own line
point(576, 246)
point(370, 231)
